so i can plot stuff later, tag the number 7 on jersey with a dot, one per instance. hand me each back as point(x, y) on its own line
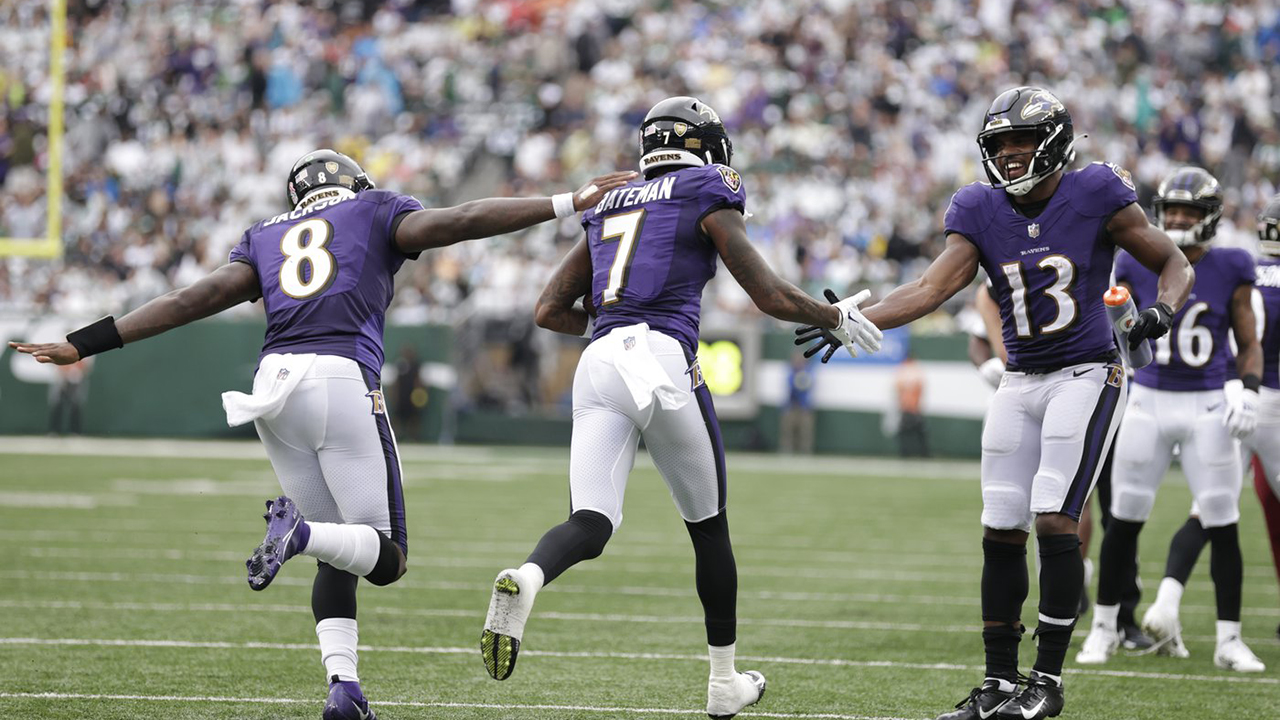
point(624, 228)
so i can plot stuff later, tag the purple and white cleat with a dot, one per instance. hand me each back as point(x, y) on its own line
point(287, 534)
point(346, 702)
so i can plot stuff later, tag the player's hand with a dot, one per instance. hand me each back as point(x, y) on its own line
point(992, 371)
point(593, 192)
point(853, 332)
point(1242, 412)
point(1152, 323)
point(62, 353)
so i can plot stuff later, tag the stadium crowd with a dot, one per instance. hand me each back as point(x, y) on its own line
point(852, 122)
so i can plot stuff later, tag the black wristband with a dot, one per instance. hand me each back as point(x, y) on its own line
point(96, 337)
point(1251, 382)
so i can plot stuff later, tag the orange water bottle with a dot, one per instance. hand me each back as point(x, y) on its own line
point(1123, 314)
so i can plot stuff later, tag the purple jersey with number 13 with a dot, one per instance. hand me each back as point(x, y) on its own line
point(1048, 273)
point(649, 256)
point(326, 274)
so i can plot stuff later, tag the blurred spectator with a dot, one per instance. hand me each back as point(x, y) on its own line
point(853, 122)
point(410, 395)
point(67, 396)
point(908, 382)
point(796, 425)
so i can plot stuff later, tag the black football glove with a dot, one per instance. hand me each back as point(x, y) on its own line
point(1152, 323)
point(809, 333)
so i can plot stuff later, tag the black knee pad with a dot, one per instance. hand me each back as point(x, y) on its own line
point(596, 530)
point(391, 564)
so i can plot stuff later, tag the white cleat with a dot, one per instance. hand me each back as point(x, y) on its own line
point(1099, 646)
point(1164, 627)
point(509, 608)
point(1233, 654)
point(726, 698)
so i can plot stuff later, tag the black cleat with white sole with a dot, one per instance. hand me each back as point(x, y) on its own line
point(1041, 698)
point(982, 703)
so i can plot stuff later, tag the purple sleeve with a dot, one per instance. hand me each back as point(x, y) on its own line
point(393, 211)
point(1107, 189)
point(721, 187)
point(1248, 267)
point(962, 216)
point(241, 253)
point(1124, 268)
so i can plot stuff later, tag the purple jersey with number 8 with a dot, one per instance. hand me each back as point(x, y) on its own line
point(326, 274)
point(650, 258)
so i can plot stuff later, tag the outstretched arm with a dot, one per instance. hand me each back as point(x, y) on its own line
point(949, 273)
point(556, 306)
point(225, 287)
point(773, 295)
point(440, 227)
point(1149, 245)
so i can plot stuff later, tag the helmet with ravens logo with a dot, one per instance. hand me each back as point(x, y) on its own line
point(1031, 109)
point(325, 168)
point(1192, 186)
point(683, 131)
point(1269, 228)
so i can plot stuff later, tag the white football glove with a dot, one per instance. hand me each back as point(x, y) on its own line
point(992, 371)
point(854, 330)
point(1242, 412)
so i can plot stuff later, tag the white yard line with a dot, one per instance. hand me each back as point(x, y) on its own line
point(378, 704)
point(820, 662)
point(544, 615)
point(603, 589)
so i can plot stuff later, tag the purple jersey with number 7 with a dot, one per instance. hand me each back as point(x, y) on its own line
point(326, 274)
point(1048, 273)
point(650, 258)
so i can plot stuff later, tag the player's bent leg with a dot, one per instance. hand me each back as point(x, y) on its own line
point(582, 537)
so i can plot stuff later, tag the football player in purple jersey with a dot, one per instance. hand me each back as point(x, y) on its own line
point(324, 271)
point(1179, 400)
point(1046, 236)
point(649, 249)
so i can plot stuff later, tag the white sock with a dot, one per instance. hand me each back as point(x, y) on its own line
point(534, 576)
point(338, 639)
point(1228, 629)
point(1004, 686)
point(1057, 679)
point(722, 661)
point(1088, 573)
point(349, 548)
point(1106, 615)
point(1170, 593)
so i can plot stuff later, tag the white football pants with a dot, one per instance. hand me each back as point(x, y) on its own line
point(332, 447)
point(684, 443)
point(1156, 421)
point(1045, 439)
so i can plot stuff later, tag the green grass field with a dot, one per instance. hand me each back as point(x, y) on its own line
point(124, 594)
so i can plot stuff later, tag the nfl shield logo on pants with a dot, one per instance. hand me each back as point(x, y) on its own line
point(1034, 230)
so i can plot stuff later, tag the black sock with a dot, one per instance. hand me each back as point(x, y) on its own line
point(1061, 578)
point(1004, 589)
point(717, 578)
point(581, 537)
point(1184, 550)
point(333, 594)
point(1227, 568)
point(1117, 560)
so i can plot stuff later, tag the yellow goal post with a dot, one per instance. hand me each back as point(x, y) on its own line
point(49, 246)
